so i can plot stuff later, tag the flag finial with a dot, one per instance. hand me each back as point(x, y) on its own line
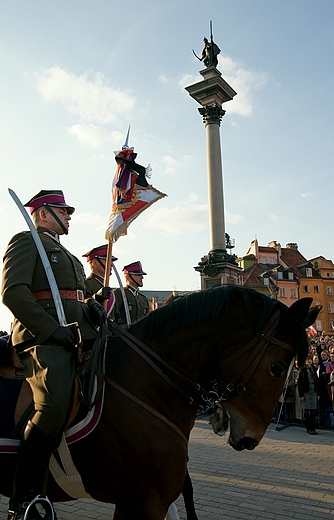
point(126, 144)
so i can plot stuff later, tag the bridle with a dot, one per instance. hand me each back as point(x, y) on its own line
point(198, 394)
point(257, 347)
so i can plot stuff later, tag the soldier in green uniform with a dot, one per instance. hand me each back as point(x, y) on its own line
point(96, 259)
point(45, 348)
point(137, 302)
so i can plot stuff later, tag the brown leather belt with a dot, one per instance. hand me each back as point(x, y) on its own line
point(64, 294)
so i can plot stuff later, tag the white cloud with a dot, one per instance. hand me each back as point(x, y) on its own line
point(275, 218)
point(232, 218)
point(193, 197)
point(244, 82)
point(91, 135)
point(90, 98)
point(170, 165)
point(162, 78)
point(91, 219)
point(307, 194)
point(179, 220)
point(188, 79)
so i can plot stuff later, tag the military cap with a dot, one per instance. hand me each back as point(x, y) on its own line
point(54, 198)
point(134, 268)
point(98, 252)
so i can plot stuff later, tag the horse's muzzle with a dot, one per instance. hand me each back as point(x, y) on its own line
point(245, 443)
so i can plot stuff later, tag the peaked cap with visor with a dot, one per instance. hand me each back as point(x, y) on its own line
point(98, 252)
point(134, 268)
point(50, 199)
point(54, 198)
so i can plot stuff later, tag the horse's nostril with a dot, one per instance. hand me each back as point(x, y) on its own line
point(246, 443)
point(249, 443)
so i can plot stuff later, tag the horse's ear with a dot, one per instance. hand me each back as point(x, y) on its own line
point(312, 315)
point(298, 312)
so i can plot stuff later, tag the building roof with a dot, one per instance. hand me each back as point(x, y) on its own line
point(250, 276)
point(293, 258)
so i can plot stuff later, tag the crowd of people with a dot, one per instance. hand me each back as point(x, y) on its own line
point(309, 395)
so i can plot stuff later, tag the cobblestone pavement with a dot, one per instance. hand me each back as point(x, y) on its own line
point(288, 476)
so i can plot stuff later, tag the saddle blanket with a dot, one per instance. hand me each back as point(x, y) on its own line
point(9, 392)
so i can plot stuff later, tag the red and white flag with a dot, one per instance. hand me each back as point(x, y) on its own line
point(130, 194)
point(312, 331)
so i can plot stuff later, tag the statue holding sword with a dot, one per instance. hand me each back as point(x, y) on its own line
point(43, 285)
point(210, 51)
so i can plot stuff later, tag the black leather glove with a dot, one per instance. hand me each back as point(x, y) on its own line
point(97, 312)
point(65, 336)
point(103, 294)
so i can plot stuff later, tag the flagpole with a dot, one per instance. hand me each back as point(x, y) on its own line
point(107, 269)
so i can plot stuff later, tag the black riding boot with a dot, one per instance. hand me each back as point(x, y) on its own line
point(32, 465)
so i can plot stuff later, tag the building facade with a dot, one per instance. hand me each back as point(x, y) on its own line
point(285, 274)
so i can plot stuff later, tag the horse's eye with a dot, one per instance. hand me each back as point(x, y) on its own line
point(276, 370)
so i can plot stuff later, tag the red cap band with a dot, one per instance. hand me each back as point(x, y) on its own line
point(97, 253)
point(46, 199)
point(134, 269)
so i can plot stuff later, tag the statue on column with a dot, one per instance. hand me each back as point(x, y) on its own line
point(209, 53)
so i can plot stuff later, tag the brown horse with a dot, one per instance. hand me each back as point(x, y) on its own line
point(136, 457)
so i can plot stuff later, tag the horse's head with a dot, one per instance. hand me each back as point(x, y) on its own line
point(252, 378)
point(238, 336)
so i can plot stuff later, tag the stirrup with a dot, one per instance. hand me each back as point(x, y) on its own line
point(45, 502)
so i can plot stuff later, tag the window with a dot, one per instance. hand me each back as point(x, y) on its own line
point(316, 265)
point(316, 288)
point(265, 281)
point(329, 290)
point(306, 288)
point(328, 275)
point(264, 259)
point(331, 324)
point(272, 260)
point(290, 276)
point(282, 292)
point(280, 275)
point(331, 307)
point(293, 292)
point(308, 271)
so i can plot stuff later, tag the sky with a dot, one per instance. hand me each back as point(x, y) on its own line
point(76, 74)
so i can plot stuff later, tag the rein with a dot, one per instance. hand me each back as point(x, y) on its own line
point(238, 384)
point(146, 407)
point(139, 347)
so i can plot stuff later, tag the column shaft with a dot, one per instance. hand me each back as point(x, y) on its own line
point(215, 187)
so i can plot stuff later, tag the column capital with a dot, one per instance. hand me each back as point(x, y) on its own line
point(212, 114)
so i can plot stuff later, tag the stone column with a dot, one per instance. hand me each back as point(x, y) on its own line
point(212, 116)
point(218, 267)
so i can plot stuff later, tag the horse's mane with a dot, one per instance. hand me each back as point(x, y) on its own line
point(203, 307)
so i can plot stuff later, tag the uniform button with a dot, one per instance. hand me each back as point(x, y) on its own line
point(79, 279)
